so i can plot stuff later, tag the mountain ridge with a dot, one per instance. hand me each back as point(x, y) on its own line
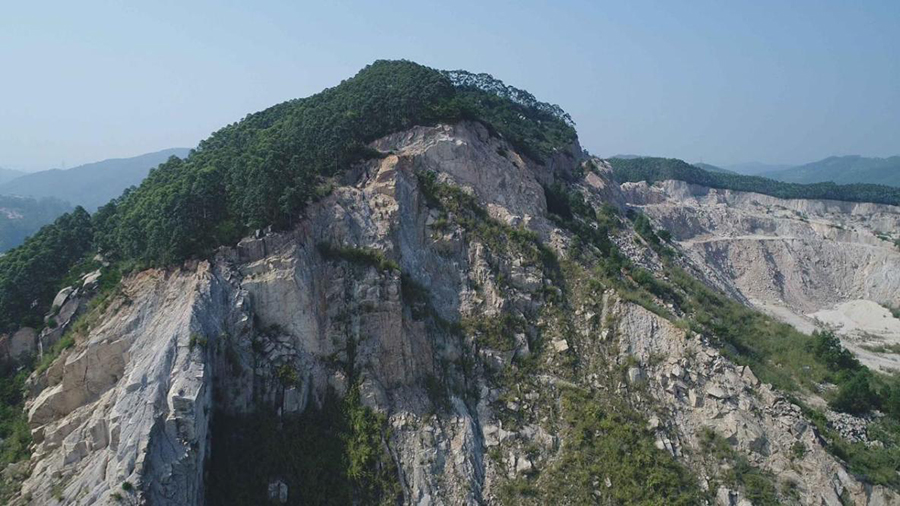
point(843, 170)
point(9, 174)
point(414, 287)
point(652, 170)
point(90, 185)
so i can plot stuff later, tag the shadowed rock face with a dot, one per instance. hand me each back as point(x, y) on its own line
point(800, 260)
point(134, 401)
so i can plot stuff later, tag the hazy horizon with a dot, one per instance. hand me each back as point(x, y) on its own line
point(719, 83)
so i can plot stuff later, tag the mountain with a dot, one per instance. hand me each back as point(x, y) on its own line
point(756, 168)
point(712, 168)
point(416, 288)
point(22, 216)
point(90, 185)
point(9, 174)
point(843, 170)
point(704, 166)
point(661, 169)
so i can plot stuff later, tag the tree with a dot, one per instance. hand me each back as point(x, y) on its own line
point(856, 396)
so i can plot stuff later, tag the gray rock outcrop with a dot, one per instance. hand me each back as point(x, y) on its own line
point(126, 414)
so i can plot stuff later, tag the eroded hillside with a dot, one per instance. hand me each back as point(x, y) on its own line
point(812, 263)
point(449, 325)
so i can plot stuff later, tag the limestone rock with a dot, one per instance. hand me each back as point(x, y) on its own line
point(278, 492)
point(561, 345)
point(20, 343)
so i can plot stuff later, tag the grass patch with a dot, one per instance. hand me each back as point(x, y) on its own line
point(496, 333)
point(606, 439)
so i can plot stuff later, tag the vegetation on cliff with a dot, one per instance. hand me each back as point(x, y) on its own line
point(333, 455)
point(30, 274)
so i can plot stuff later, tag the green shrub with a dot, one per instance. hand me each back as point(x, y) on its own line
point(496, 333)
point(197, 339)
point(798, 450)
point(828, 349)
point(287, 375)
point(856, 396)
point(359, 256)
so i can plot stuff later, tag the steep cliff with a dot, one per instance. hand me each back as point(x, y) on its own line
point(426, 334)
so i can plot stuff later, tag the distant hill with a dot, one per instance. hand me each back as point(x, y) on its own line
point(756, 168)
point(843, 170)
point(705, 166)
point(9, 174)
point(91, 185)
point(712, 168)
point(661, 169)
point(22, 216)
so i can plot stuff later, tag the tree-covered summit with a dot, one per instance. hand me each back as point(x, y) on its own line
point(652, 170)
point(265, 168)
point(262, 170)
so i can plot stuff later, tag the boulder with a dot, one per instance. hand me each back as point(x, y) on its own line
point(20, 343)
point(61, 297)
point(278, 492)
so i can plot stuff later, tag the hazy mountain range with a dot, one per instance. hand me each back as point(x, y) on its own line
point(713, 168)
point(30, 201)
point(837, 169)
point(9, 174)
point(756, 168)
point(843, 170)
point(90, 185)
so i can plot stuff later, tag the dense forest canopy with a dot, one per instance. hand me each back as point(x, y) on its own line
point(264, 169)
point(652, 170)
point(30, 274)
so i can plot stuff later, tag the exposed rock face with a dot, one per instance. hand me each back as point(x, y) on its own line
point(18, 344)
point(811, 263)
point(700, 390)
point(67, 305)
point(131, 402)
point(127, 412)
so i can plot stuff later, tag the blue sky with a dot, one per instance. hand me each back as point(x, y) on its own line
point(720, 82)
